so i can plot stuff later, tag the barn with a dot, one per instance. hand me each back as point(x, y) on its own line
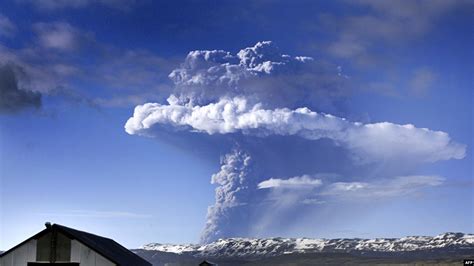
point(60, 246)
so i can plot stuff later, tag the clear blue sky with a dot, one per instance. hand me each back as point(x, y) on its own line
point(80, 68)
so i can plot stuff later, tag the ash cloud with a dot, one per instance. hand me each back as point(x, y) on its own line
point(232, 195)
point(290, 151)
point(261, 73)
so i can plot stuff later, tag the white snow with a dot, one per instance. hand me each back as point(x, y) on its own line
point(244, 247)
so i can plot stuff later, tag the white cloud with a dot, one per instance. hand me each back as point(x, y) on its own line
point(386, 187)
point(7, 28)
point(138, 74)
point(347, 47)
point(312, 201)
point(95, 214)
point(327, 192)
point(40, 71)
point(280, 205)
point(49, 65)
point(385, 23)
point(56, 4)
point(304, 181)
point(60, 35)
point(348, 186)
point(423, 79)
point(62, 4)
point(368, 142)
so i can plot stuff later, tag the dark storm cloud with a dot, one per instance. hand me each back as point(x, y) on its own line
point(13, 98)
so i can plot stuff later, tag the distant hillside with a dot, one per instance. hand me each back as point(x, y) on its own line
point(444, 249)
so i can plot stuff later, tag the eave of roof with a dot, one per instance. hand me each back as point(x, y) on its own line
point(79, 236)
point(82, 237)
point(35, 236)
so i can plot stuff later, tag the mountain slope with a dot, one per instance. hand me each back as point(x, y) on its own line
point(237, 251)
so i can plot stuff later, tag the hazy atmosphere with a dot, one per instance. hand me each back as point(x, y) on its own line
point(190, 121)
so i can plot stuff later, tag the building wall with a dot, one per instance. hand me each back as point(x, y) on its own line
point(79, 253)
point(86, 256)
point(21, 255)
point(62, 252)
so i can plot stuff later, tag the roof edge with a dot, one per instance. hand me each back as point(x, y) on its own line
point(35, 236)
point(63, 230)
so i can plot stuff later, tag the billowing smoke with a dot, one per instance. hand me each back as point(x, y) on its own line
point(232, 194)
point(289, 153)
point(260, 73)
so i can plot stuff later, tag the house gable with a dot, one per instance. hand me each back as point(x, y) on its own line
point(60, 244)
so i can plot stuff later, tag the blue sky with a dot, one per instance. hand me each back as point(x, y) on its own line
point(72, 73)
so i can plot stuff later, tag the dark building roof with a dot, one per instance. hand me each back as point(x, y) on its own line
point(106, 247)
point(207, 263)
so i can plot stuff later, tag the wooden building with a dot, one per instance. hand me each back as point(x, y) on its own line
point(60, 245)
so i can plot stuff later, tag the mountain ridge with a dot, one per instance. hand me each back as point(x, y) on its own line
point(269, 247)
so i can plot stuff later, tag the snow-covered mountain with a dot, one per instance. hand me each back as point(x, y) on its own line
point(249, 247)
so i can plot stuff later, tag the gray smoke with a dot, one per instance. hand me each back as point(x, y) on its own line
point(261, 73)
point(232, 194)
